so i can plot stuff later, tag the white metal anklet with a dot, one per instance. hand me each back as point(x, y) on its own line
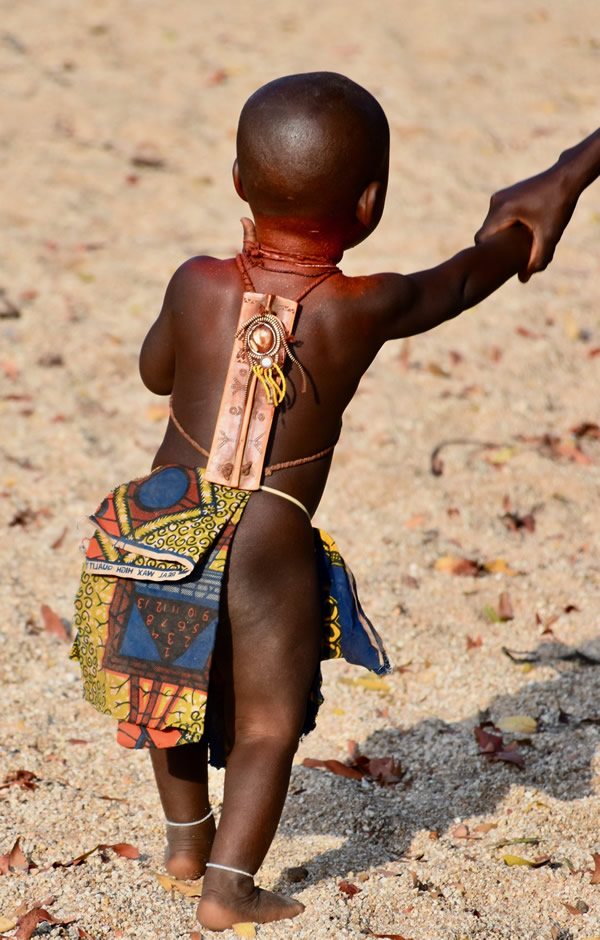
point(195, 823)
point(236, 871)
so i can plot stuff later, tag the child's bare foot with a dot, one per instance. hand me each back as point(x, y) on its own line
point(235, 899)
point(188, 849)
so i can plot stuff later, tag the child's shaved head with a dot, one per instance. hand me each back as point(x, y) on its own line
point(309, 144)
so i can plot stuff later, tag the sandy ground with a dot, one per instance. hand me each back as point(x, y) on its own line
point(477, 94)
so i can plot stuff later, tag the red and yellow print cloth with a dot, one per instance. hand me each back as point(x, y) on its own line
point(147, 608)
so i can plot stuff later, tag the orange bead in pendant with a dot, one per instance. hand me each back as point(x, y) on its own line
point(262, 339)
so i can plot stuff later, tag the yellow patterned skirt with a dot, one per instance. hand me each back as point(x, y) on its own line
point(147, 608)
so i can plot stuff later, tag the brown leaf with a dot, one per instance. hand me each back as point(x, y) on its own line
point(10, 369)
point(25, 779)
point(595, 879)
point(123, 849)
point(492, 746)
point(56, 544)
point(148, 155)
point(16, 860)
point(577, 909)
point(217, 77)
point(385, 771)
point(409, 581)
point(505, 608)
point(334, 767)
point(28, 922)
point(488, 743)
point(417, 883)
point(437, 465)
point(435, 369)
point(463, 567)
point(474, 642)
point(510, 755)
point(54, 624)
point(515, 522)
point(555, 447)
point(389, 936)
point(346, 887)
point(587, 429)
point(529, 334)
point(8, 310)
point(485, 827)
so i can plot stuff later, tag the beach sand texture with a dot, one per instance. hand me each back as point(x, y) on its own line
point(117, 138)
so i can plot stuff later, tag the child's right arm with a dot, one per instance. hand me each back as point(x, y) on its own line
point(415, 303)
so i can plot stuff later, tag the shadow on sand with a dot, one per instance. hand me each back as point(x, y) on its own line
point(446, 778)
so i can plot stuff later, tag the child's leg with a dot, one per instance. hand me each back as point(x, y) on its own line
point(182, 780)
point(274, 613)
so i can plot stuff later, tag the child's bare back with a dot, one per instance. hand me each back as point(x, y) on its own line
point(312, 163)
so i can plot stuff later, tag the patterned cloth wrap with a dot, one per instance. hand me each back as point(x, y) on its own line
point(147, 608)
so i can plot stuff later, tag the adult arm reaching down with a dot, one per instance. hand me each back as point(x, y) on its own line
point(544, 203)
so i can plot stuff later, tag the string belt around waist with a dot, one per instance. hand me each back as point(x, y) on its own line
point(272, 468)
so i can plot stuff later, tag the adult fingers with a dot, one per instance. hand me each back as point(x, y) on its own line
point(540, 256)
point(493, 223)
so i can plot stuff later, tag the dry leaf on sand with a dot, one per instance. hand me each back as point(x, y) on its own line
point(247, 931)
point(123, 849)
point(186, 888)
point(346, 887)
point(25, 779)
point(390, 936)
point(517, 724)
point(54, 624)
point(493, 747)
point(505, 608)
point(15, 860)
point(28, 923)
point(577, 909)
point(528, 862)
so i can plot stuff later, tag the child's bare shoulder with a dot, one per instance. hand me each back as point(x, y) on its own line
point(378, 298)
point(197, 277)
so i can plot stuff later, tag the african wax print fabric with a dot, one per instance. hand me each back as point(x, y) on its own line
point(147, 608)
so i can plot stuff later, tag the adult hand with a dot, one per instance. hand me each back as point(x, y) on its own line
point(544, 204)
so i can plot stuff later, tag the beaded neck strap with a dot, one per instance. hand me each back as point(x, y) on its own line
point(258, 254)
point(320, 276)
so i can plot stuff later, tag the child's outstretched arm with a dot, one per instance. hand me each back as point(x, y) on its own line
point(415, 303)
point(545, 203)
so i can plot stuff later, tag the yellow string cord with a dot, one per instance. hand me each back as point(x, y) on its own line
point(273, 390)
